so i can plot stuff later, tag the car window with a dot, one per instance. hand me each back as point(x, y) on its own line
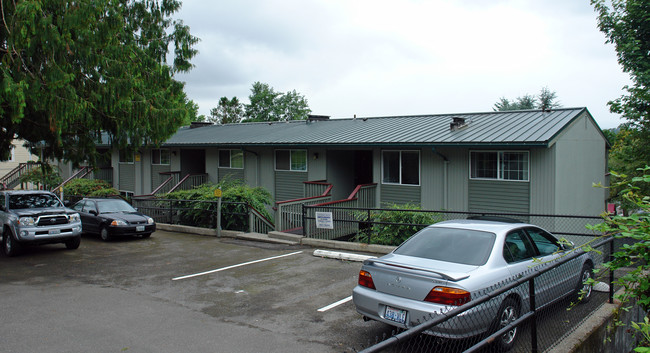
point(546, 244)
point(79, 205)
point(89, 206)
point(462, 246)
point(33, 201)
point(114, 206)
point(517, 247)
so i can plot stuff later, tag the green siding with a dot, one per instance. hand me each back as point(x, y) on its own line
point(499, 196)
point(231, 174)
point(127, 177)
point(289, 185)
point(156, 178)
point(400, 194)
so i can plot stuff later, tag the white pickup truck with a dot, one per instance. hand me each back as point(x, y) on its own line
point(35, 218)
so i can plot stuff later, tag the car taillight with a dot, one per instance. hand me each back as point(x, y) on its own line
point(448, 296)
point(365, 279)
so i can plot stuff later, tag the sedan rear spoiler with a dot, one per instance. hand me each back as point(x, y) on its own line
point(443, 275)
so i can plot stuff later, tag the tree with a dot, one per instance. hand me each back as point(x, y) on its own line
point(624, 160)
point(72, 70)
point(634, 256)
point(229, 111)
point(626, 25)
point(268, 105)
point(546, 100)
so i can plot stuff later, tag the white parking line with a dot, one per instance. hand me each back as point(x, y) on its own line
point(333, 305)
point(235, 266)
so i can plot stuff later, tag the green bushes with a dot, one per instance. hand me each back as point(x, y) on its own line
point(395, 224)
point(91, 188)
point(199, 204)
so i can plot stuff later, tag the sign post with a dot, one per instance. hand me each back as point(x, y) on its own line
point(324, 220)
point(218, 193)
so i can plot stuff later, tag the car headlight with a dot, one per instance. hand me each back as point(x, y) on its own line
point(150, 220)
point(26, 221)
point(118, 222)
point(74, 217)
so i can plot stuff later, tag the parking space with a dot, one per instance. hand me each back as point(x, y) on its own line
point(179, 292)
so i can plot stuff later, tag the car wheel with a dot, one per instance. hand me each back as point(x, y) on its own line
point(508, 312)
point(73, 243)
point(9, 246)
point(584, 290)
point(103, 233)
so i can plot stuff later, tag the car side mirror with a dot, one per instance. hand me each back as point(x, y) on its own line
point(93, 212)
point(568, 246)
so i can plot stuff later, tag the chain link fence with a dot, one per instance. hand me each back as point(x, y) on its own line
point(531, 313)
point(367, 224)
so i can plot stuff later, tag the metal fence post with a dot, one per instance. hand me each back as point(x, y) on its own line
point(533, 320)
point(611, 272)
point(251, 219)
point(304, 224)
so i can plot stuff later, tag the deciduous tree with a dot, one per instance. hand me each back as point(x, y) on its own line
point(268, 105)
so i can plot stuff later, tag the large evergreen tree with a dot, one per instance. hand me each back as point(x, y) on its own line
point(73, 69)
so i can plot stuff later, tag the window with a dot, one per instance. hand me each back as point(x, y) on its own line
point(545, 243)
point(517, 247)
point(126, 157)
point(292, 160)
point(499, 165)
point(401, 167)
point(160, 157)
point(231, 159)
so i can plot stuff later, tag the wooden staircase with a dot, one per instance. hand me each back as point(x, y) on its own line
point(12, 178)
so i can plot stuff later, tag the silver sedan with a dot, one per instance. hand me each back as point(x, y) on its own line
point(450, 263)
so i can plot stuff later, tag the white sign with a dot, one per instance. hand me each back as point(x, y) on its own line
point(324, 220)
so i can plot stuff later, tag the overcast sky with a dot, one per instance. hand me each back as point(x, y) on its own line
point(408, 57)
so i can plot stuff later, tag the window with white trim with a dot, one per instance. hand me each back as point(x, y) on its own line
point(126, 157)
point(160, 157)
point(291, 160)
point(401, 167)
point(499, 165)
point(231, 159)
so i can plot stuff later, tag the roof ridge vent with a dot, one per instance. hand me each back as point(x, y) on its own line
point(458, 123)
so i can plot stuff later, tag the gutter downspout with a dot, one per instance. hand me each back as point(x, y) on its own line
point(445, 179)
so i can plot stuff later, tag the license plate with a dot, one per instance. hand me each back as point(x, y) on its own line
point(396, 315)
point(54, 231)
point(139, 228)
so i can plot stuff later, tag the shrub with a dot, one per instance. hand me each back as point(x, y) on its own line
point(49, 180)
point(195, 210)
point(395, 224)
point(87, 187)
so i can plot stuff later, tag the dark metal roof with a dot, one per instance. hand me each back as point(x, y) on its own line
point(526, 127)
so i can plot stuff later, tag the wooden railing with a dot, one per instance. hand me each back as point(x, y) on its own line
point(167, 184)
point(80, 173)
point(12, 178)
point(257, 223)
point(103, 173)
point(190, 181)
point(288, 214)
point(345, 220)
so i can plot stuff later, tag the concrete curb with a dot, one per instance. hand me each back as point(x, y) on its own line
point(197, 230)
point(342, 256)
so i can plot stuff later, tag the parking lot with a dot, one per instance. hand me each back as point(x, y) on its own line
point(179, 292)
